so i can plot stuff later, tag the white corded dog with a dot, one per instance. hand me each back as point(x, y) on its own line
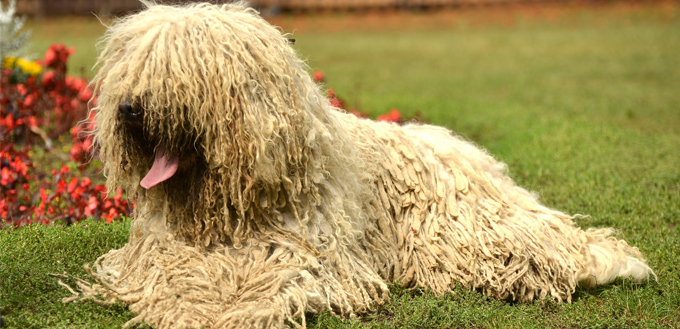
point(259, 201)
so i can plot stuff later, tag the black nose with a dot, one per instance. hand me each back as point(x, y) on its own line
point(125, 108)
point(131, 113)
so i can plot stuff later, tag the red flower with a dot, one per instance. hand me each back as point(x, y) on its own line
point(50, 57)
point(77, 192)
point(33, 121)
point(72, 185)
point(5, 176)
point(86, 182)
point(48, 78)
point(77, 152)
point(87, 145)
point(392, 116)
point(337, 103)
point(102, 190)
point(29, 100)
point(43, 196)
point(57, 55)
point(9, 122)
point(110, 216)
point(3, 209)
point(61, 187)
point(21, 88)
point(76, 84)
point(318, 76)
point(85, 94)
point(75, 130)
point(92, 204)
point(19, 166)
point(118, 197)
point(357, 113)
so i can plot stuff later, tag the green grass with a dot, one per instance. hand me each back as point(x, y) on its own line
point(29, 298)
point(585, 111)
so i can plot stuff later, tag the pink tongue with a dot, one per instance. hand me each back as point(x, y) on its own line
point(164, 166)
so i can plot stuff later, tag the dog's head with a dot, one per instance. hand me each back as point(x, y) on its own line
point(209, 109)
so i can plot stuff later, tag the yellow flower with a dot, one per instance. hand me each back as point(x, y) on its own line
point(28, 67)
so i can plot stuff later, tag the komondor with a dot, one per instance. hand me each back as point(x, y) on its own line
point(257, 201)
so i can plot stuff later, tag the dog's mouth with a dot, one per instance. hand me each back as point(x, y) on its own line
point(164, 166)
point(166, 163)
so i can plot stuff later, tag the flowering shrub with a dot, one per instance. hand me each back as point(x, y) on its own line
point(41, 110)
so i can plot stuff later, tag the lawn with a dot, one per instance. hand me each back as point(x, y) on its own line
point(583, 106)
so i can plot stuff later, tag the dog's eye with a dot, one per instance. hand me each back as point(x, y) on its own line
point(132, 113)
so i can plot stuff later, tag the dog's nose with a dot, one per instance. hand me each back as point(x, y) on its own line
point(130, 112)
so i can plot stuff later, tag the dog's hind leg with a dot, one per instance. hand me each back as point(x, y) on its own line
point(463, 219)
